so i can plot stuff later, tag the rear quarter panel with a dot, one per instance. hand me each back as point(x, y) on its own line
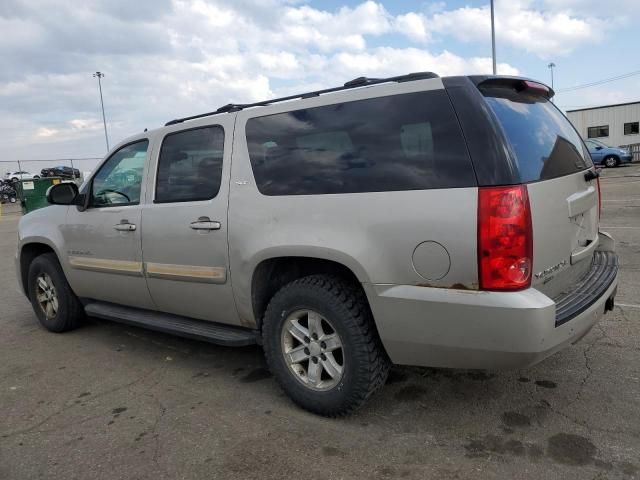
point(373, 234)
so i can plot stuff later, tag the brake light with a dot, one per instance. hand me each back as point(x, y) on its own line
point(505, 238)
point(533, 87)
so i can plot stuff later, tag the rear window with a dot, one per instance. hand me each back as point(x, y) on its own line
point(545, 145)
point(402, 142)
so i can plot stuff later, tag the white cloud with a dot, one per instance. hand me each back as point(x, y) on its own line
point(44, 132)
point(543, 33)
point(85, 124)
point(169, 58)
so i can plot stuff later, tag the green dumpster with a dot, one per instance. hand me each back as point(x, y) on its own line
point(33, 193)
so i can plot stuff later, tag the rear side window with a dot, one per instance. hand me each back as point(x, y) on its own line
point(190, 165)
point(402, 142)
point(545, 145)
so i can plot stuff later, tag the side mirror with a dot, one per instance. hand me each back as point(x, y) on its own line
point(598, 147)
point(62, 194)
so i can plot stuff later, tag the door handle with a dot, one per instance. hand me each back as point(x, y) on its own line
point(125, 226)
point(205, 223)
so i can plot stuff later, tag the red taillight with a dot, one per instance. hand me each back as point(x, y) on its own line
point(599, 198)
point(505, 238)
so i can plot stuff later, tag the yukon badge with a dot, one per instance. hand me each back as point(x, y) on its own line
point(551, 270)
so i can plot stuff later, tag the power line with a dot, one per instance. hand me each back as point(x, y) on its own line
point(599, 82)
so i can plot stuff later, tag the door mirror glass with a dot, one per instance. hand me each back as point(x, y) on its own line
point(62, 194)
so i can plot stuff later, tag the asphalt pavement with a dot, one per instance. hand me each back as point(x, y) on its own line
point(109, 401)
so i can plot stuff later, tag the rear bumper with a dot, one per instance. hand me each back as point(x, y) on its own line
point(474, 329)
point(626, 158)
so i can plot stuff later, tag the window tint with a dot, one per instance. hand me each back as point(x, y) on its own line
point(599, 131)
point(632, 128)
point(120, 177)
point(190, 165)
point(544, 143)
point(402, 142)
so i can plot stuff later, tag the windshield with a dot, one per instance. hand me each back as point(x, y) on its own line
point(545, 145)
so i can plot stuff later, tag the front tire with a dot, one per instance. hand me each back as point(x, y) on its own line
point(611, 162)
point(322, 346)
point(53, 301)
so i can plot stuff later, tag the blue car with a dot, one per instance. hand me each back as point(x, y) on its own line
point(603, 154)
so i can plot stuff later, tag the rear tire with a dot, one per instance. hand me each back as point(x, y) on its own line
point(611, 161)
point(355, 365)
point(54, 303)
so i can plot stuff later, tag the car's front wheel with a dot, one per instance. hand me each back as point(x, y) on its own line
point(611, 161)
point(322, 346)
point(53, 301)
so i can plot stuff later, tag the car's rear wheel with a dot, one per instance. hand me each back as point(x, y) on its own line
point(53, 301)
point(322, 346)
point(611, 161)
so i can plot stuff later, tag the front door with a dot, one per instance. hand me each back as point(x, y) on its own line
point(595, 151)
point(184, 235)
point(103, 242)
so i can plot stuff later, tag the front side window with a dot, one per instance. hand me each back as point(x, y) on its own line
point(597, 132)
point(632, 128)
point(119, 180)
point(410, 141)
point(190, 165)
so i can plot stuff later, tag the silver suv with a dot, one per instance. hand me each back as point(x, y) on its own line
point(445, 222)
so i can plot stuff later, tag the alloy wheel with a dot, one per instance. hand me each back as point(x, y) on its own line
point(46, 295)
point(313, 350)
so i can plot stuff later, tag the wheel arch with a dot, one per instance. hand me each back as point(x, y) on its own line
point(28, 252)
point(271, 274)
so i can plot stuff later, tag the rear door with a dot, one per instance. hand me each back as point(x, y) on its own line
point(184, 235)
point(551, 159)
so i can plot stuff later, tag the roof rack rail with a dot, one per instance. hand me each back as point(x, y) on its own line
point(355, 83)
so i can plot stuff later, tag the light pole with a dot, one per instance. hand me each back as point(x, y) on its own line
point(99, 75)
point(493, 40)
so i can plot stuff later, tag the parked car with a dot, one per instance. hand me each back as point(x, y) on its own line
point(603, 154)
point(19, 175)
point(61, 171)
point(413, 221)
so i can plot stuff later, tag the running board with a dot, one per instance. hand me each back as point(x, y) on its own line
point(165, 322)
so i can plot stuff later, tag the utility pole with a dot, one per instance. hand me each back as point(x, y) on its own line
point(99, 75)
point(493, 40)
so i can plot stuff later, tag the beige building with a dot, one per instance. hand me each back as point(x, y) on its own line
point(615, 125)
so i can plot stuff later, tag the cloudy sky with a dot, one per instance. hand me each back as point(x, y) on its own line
point(167, 58)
